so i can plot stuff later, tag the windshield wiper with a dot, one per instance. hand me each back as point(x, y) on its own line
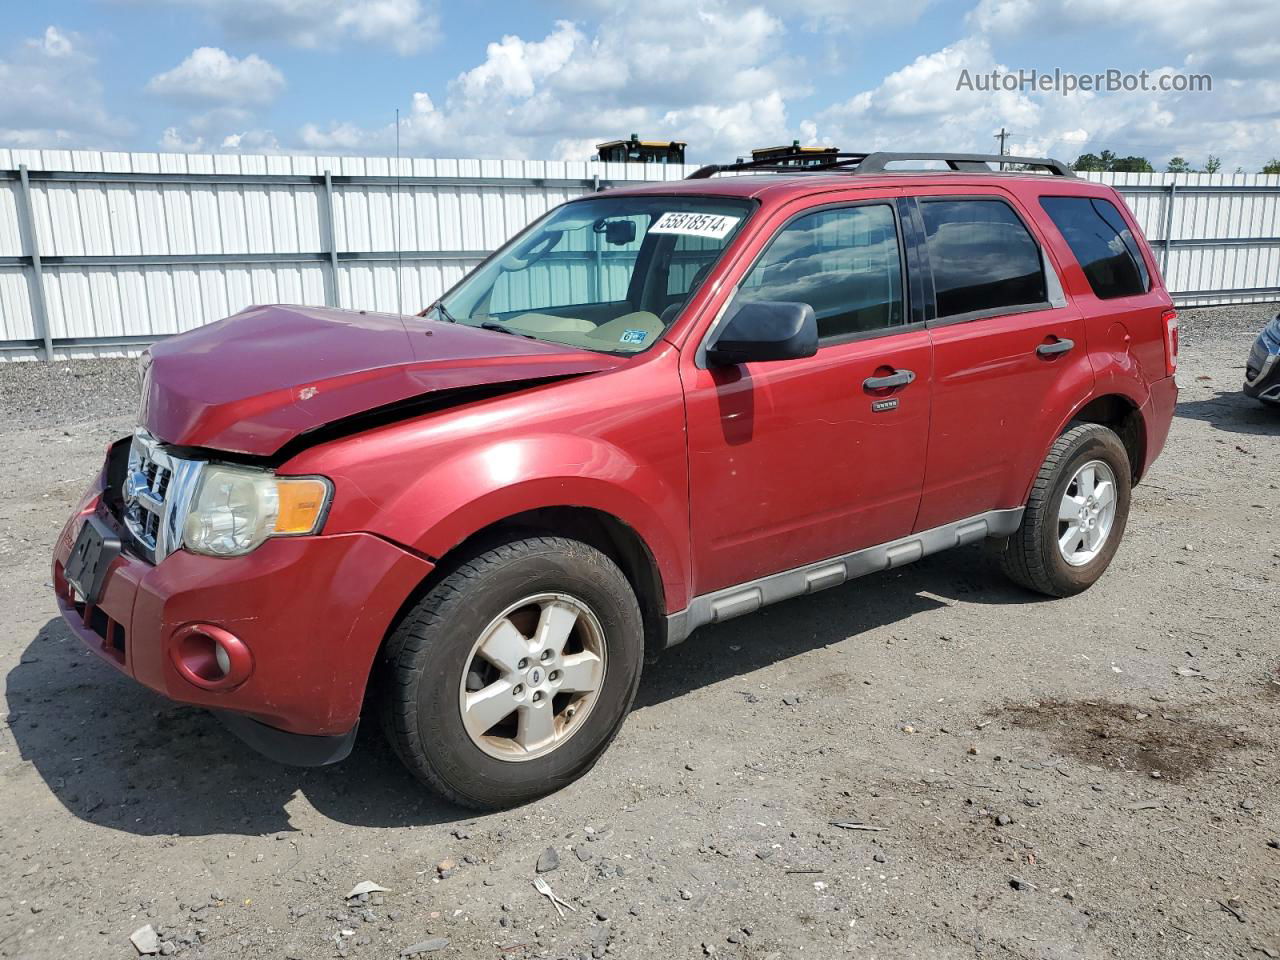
point(441, 309)
point(490, 325)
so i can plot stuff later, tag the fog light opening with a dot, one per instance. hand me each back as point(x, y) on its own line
point(210, 657)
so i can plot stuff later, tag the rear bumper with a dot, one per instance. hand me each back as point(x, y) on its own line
point(1157, 417)
point(311, 611)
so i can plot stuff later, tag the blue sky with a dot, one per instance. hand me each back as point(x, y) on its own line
point(546, 79)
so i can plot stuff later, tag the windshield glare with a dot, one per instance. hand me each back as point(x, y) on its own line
point(607, 274)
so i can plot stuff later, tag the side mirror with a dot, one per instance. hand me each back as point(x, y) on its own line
point(759, 330)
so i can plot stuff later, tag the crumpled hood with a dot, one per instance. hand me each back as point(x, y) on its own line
point(253, 382)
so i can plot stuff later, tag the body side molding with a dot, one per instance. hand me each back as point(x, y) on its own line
point(749, 597)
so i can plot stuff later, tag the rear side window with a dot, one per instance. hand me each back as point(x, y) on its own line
point(1102, 242)
point(982, 256)
point(844, 263)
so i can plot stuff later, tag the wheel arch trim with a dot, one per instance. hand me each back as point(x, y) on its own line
point(1117, 409)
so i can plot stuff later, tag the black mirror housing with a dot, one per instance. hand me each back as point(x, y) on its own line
point(617, 233)
point(762, 330)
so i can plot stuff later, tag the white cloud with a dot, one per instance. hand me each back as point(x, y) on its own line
point(920, 107)
point(54, 43)
point(173, 141)
point(406, 26)
point(720, 74)
point(232, 90)
point(846, 16)
point(210, 74)
point(250, 141)
point(53, 96)
point(513, 67)
point(1236, 35)
point(712, 73)
point(230, 129)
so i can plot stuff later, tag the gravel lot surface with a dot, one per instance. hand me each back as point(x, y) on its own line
point(1092, 777)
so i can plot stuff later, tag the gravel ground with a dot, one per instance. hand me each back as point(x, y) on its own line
point(1082, 778)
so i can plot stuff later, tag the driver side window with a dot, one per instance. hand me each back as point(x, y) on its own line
point(845, 263)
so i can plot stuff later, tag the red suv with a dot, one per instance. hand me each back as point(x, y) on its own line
point(656, 408)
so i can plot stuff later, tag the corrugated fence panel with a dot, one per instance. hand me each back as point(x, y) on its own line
point(139, 245)
point(1217, 236)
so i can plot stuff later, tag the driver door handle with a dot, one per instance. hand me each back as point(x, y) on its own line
point(1054, 347)
point(899, 378)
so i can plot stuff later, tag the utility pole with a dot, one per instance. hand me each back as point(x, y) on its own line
point(1002, 136)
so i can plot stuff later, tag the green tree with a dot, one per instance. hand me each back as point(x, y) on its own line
point(1088, 161)
point(1106, 160)
point(1132, 165)
point(1212, 164)
point(1178, 165)
point(1272, 166)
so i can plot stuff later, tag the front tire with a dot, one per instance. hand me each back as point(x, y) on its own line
point(1075, 516)
point(514, 672)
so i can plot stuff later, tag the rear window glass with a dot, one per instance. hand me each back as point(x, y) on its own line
point(1102, 242)
point(982, 256)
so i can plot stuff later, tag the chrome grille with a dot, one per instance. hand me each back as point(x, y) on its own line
point(157, 492)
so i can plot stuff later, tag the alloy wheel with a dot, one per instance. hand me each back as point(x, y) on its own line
point(532, 677)
point(1087, 513)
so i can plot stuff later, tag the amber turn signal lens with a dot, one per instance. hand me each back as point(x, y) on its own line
point(302, 503)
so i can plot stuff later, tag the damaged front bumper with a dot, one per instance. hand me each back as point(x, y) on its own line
point(279, 642)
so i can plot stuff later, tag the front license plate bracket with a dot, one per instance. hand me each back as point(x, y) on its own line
point(96, 547)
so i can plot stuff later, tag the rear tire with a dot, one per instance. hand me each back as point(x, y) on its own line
point(482, 642)
point(1068, 534)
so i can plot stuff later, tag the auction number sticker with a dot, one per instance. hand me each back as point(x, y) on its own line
point(713, 225)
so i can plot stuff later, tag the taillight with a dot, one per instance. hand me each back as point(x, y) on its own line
point(1170, 321)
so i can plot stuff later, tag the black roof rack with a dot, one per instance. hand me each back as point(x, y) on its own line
point(770, 165)
point(864, 163)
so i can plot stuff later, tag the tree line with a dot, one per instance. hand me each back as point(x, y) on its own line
point(1108, 162)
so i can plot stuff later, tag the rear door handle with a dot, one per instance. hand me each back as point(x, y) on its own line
point(1055, 347)
point(899, 378)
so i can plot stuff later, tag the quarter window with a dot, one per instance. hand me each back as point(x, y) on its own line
point(845, 263)
point(982, 257)
point(1102, 242)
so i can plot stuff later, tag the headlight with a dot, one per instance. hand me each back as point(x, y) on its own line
point(235, 509)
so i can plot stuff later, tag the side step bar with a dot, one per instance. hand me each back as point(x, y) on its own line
point(749, 597)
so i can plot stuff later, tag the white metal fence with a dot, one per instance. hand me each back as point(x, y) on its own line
point(104, 252)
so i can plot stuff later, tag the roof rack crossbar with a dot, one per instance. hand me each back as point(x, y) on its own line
point(867, 163)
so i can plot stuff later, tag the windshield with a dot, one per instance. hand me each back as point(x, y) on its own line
point(607, 274)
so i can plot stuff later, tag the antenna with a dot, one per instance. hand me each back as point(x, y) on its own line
point(395, 215)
